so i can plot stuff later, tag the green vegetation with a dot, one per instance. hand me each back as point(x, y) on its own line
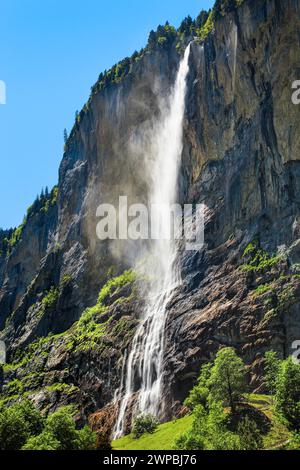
point(207, 27)
point(23, 427)
point(161, 439)
point(277, 437)
point(227, 378)
point(44, 441)
point(215, 427)
point(5, 236)
point(17, 424)
point(10, 238)
point(62, 388)
point(50, 200)
point(25, 374)
point(142, 424)
point(200, 392)
point(287, 395)
point(17, 233)
point(220, 384)
point(254, 422)
point(14, 388)
point(262, 289)
point(282, 378)
point(114, 285)
point(60, 433)
point(222, 7)
point(258, 259)
point(249, 435)
point(66, 280)
point(209, 431)
point(49, 300)
point(89, 331)
point(271, 371)
point(276, 296)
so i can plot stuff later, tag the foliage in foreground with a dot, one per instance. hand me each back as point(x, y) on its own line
point(282, 377)
point(22, 427)
point(220, 384)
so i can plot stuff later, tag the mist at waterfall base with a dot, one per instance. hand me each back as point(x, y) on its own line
point(142, 373)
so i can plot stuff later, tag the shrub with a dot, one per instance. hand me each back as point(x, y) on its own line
point(258, 259)
point(208, 26)
point(62, 427)
point(87, 439)
point(17, 423)
point(144, 423)
point(209, 431)
point(287, 396)
point(189, 441)
point(200, 393)
point(45, 441)
point(250, 436)
point(272, 365)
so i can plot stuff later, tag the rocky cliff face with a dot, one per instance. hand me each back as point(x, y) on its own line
point(241, 158)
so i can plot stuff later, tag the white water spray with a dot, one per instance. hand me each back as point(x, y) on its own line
point(144, 365)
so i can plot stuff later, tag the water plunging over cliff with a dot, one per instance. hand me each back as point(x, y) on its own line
point(144, 365)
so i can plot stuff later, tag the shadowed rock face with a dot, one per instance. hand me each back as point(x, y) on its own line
point(241, 158)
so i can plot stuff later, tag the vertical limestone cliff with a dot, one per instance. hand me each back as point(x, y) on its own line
point(241, 158)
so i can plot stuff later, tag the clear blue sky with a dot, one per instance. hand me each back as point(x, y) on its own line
point(51, 53)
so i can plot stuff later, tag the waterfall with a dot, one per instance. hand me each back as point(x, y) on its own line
point(144, 364)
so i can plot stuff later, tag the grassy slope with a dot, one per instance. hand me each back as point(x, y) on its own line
point(164, 437)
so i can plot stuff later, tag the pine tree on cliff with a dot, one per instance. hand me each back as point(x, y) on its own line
point(223, 6)
point(201, 19)
point(187, 26)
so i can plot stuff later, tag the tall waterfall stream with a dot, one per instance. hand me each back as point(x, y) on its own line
point(144, 361)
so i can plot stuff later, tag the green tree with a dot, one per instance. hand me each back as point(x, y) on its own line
point(189, 441)
point(200, 393)
point(287, 398)
point(13, 431)
point(187, 26)
point(61, 426)
point(152, 40)
point(32, 416)
point(201, 19)
point(45, 441)
point(209, 431)
point(17, 423)
point(87, 439)
point(227, 379)
point(271, 370)
point(218, 435)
